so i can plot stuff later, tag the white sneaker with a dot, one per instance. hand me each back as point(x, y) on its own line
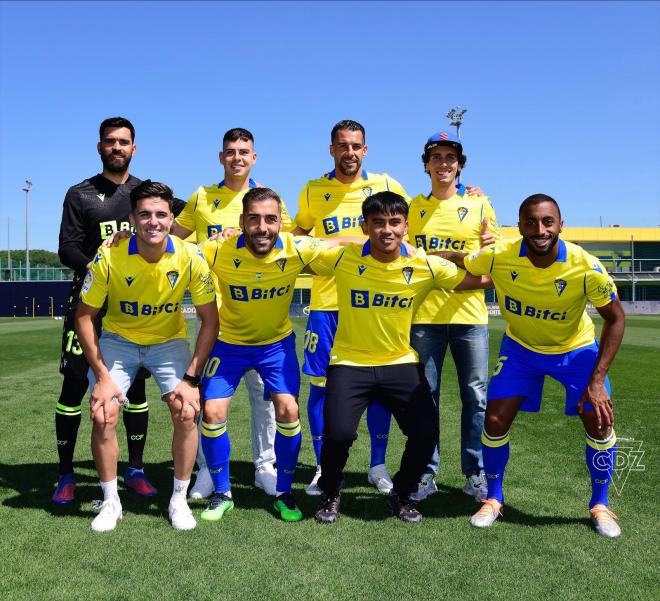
point(476, 486)
point(203, 484)
point(108, 516)
point(425, 488)
point(605, 521)
point(490, 510)
point(313, 489)
point(379, 477)
point(265, 477)
point(180, 514)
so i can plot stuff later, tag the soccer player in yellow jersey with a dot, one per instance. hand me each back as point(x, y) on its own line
point(144, 280)
point(543, 284)
point(256, 274)
point(332, 206)
point(379, 287)
point(211, 210)
point(450, 219)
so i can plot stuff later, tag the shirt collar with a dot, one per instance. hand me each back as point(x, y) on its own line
point(561, 255)
point(460, 191)
point(332, 174)
point(240, 243)
point(366, 249)
point(133, 249)
point(251, 183)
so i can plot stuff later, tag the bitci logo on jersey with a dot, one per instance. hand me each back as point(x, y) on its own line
point(364, 299)
point(332, 225)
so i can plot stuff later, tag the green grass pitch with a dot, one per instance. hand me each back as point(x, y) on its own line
point(543, 548)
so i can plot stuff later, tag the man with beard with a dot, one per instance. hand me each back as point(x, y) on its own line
point(332, 206)
point(543, 284)
point(93, 210)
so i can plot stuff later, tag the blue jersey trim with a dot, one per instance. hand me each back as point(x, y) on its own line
point(240, 243)
point(366, 249)
point(133, 249)
point(562, 255)
point(332, 174)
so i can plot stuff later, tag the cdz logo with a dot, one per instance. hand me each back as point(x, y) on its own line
point(517, 308)
point(331, 225)
point(433, 243)
point(360, 299)
point(245, 294)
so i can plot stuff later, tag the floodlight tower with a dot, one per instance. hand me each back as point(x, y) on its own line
point(26, 188)
point(455, 116)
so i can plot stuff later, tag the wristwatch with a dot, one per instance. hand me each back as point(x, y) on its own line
point(194, 380)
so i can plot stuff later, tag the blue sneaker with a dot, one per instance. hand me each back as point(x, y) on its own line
point(65, 492)
point(135, 479)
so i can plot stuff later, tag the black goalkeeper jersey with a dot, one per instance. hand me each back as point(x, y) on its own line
point(93, 210)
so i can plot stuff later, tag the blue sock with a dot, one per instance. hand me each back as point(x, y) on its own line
point(378, 423)
point(495, 451)
point(315, 404)
point(601, 458)
point(287, 447)
point(216, 446)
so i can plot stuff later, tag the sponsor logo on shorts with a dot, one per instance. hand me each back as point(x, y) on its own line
point(516, 307)
point(433, 243)
point(136, 309)
point(245, 294)
point(364, 299)
point(332, 225)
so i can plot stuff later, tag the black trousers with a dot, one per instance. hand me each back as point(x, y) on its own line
point(403, 389)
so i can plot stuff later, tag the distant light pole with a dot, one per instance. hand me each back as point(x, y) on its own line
point(455, 116)
point(26, 189)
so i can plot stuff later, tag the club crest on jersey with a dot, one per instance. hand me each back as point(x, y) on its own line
point(172, 277)
point(422, 213)
point(216, 203)
point(237, 262)
point(560, 285)
point(514, 275)
point(368, 191)
point(281, 263)
point(327, 196)
point(129, 280)
point(462, 212)
point(361, 269)
point(407, 274)
point(101, 196)
point(98, 257)
point(597, 268)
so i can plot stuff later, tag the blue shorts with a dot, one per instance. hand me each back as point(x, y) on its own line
point(520, 372)
point(319, 337)
point(276, 363)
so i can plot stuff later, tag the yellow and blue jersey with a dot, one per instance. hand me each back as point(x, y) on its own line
point(332, 208)
point(453, 224)
point(256, 292)
point(214, 208)
point(377, 301)
point(144, 299)
point(545, 308)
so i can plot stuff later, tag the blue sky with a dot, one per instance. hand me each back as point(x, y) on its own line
point(562, 98)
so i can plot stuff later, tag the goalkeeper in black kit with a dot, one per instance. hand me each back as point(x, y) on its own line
point(93, 210)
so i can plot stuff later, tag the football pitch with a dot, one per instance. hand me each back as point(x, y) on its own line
point(543, 548)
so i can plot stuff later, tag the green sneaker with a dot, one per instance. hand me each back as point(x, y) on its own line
point(219, 503)
point(286, 505)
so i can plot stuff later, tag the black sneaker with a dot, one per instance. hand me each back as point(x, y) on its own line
point(327, 511)
point(405, 509)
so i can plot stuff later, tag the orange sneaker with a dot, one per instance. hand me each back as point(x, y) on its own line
point(490, 510)
point(605, 521)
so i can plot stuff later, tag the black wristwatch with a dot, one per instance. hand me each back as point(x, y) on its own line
point(194, 380)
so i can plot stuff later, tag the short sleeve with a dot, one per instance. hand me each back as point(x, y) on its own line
point(599, 285)
point(186, 217)
point(201, 286)
point(209, 250)
point(95, 286)
point(309, 248)
point(446, 275)
point(481, 261)
point(304, 218)
point(325, 262)
point(489, 213)
point(287, 223)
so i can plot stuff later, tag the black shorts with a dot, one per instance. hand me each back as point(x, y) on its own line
point(72, 360)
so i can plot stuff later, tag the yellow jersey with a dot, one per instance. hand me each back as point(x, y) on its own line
point(144, 299)
point(545, 308)
point(377, 301)
point(256, 292)
point(214, 208)
point(453, 224)
point(331, 208)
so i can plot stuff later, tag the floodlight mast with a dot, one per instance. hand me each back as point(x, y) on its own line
point(26, 188)
point(455, 116)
